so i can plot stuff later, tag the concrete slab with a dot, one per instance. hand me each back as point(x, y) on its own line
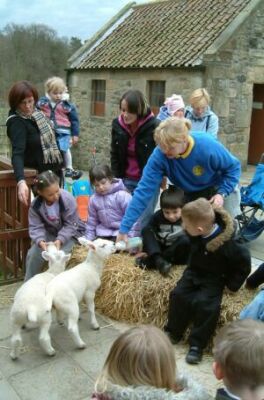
point(56, 380)
point(7, 392)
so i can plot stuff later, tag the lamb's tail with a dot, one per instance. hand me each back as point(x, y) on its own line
point(32, 313)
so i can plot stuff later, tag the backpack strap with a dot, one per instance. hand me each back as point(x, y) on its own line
point(207, 123)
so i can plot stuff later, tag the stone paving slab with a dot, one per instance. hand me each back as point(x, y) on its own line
point(69, 375)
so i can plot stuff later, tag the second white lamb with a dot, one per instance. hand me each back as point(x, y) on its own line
point(66, 290)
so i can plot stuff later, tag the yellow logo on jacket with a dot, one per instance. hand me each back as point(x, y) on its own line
point(198, 170)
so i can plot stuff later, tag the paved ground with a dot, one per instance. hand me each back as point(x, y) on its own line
point(70, 374)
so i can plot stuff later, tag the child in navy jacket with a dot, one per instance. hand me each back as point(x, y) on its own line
point(217, 260)
point(164, 240)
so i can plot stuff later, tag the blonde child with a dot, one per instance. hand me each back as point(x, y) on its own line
point(216, 260)
point(56, 106)
point(52, 217)
point(203, 119)
point(107, 205)
point(141, 365)
point(239, 360)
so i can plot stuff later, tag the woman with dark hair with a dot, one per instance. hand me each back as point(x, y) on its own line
point(132, 143)
point(32, 137)
point(132, 138)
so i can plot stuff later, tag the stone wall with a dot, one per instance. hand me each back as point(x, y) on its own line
point(96, 131)
point(230, 76)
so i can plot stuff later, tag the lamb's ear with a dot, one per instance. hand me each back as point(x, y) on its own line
point(87, 243)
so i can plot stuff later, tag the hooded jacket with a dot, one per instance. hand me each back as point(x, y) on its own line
point(208, 122)
point(220, 259)
point(144, 144)
point(191, 390)
point(107, 210)
point(67, 227)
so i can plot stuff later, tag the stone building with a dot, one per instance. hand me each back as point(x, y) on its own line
point(174, 46)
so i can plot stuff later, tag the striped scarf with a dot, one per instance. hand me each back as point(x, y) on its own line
point(51, 153)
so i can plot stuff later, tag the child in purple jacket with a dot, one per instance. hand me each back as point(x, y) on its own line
point(53, 217)
point(107, 205)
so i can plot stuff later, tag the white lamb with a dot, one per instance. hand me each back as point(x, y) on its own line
point(30, 303)
point(66, 290)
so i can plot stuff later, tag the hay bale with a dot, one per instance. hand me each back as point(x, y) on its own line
point(130, 294)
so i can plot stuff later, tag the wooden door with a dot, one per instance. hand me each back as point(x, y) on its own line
point(256, 139)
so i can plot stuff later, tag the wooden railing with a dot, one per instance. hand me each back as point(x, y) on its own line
point(14, 238)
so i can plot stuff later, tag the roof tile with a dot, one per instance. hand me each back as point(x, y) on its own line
point(164, 34)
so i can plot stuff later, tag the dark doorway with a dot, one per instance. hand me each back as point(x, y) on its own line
point(256, 139)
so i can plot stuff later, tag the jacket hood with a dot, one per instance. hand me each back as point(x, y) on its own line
point(227, 223)
point(206, 113)
point(141, 121)
point(191, 390)
point(117, 184)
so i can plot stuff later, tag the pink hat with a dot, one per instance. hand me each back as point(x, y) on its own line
point(174, 103)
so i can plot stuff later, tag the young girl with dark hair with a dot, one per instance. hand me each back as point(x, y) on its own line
point(107, 205)
point(53, 217)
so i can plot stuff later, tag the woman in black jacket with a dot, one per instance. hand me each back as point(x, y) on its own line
point(32, 138)
point(132, 143)
point(132, 138)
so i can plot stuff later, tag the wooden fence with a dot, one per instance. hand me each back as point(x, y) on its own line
point(14, 238)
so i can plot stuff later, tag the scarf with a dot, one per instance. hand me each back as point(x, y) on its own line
point(51, 152)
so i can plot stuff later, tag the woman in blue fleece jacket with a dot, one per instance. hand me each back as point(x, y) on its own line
point(196, 163)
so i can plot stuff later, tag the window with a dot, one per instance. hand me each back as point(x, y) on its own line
point(98, 98)
point(156, 91)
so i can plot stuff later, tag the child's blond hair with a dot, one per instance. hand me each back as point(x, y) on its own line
point(142, 355)
point(199, 98)
point(54, 84)
point(199, 212)
point(172, 130)
point(239, 350)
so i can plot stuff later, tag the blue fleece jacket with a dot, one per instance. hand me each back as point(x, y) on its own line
point(205, 163)
point(208, 122)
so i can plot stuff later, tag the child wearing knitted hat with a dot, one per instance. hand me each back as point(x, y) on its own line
point(173, 107)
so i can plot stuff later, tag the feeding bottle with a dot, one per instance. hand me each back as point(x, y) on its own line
point(132, 243)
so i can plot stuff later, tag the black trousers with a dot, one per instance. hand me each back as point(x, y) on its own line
point(198, 302)
point(176, 253)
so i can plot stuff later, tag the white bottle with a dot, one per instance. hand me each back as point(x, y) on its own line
point(132, 243)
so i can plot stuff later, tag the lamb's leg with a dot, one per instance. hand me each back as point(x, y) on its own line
point(59, 317)
point(16, 341)
point(73, 316)
point(89, 299)
point(44, 336)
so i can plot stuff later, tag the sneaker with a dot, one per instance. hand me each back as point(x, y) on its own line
point(73, 173)
point(194, 355)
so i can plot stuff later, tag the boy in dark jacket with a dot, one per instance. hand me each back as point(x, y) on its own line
point(217, 260)
point(239, 360)
point(164, 239)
